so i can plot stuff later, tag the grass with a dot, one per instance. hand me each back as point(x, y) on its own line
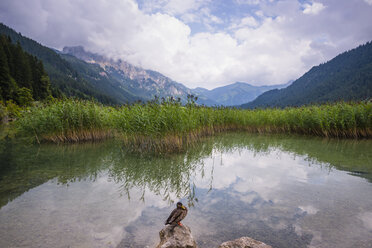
point(169, 126)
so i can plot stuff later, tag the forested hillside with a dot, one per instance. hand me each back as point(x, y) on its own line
point(65, 80)
point(22, 76)
point(347, 77)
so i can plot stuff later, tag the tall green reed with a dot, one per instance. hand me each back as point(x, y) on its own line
point(170, 125)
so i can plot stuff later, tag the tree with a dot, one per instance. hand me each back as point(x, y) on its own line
point(25, 97)
point(22, 76)
point(8, 86)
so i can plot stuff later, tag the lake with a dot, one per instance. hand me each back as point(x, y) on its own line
point(287, 191)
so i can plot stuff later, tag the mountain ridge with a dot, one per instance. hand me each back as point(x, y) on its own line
point(144, 83)
point(347, 77)
point(149, 83)
point(238, 92)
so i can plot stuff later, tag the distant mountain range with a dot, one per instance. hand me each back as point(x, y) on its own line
point(346, 77)
point(147, 83)
point(237, 93)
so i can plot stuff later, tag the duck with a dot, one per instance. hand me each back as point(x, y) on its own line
point(178, 214)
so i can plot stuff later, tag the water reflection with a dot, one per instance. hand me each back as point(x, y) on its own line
point(285, 191)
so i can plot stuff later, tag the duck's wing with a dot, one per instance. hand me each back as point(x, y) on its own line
point(173, 216)
point(183, 213)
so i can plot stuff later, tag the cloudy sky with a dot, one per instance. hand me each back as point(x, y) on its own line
point(207, 43)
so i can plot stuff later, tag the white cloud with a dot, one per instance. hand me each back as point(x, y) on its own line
point(280, 45)
point(248, 21)
point(369, 2)
point(186, 10)
point(246, 171)
point(177, 7)
point(259, 13)
point(313, 9)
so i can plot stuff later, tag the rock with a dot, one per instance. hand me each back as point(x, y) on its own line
point(179, 237)
point(244, 242)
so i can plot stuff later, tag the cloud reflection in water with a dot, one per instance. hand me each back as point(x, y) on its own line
point(285, 191)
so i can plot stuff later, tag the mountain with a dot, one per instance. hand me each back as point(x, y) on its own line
point(237, 93)
point(148, 83)
point(140, 82)
point(100, 80)
point(65, 80)
point(347, 77)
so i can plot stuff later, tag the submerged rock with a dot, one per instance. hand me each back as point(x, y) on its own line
point(179, 237)
point(244, 242)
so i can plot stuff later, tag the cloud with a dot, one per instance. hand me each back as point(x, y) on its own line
point(260, 42)
point(182, 6)
point(249, 2)
point(94, 213)
point(187, 10)
point(369, 2)
point(246, 171)
point(248, 21)
point(173, 7)
point(313, 9)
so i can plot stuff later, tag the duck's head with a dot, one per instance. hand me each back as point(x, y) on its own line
point(179, 205)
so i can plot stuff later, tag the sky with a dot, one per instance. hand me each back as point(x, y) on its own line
point(201, 43)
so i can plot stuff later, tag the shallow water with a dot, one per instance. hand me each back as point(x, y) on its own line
point(288, 191)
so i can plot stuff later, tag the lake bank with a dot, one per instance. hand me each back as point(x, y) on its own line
point(169, 126)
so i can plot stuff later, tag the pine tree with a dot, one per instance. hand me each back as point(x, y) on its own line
point(22, 76)
point(22, 68)
point(8, 87)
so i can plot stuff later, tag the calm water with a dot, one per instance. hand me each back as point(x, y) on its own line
point(287, 191)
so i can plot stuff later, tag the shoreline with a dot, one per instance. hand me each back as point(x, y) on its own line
point(171, 127)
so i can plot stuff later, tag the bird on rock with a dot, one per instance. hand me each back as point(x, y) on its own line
point(177, 215)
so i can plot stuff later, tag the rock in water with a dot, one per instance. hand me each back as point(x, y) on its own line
point(244, 242)
point(179, 237)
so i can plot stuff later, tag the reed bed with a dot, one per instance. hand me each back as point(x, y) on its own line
point(170, 126)
point(66, 121)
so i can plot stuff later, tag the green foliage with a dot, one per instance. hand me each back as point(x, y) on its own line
point(12, 109)
point(3, 112)
point(171, 126)
point(22, 76)
point(25, 97)
point(70, 120)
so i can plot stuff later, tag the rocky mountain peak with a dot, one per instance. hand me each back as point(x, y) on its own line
point(145, 83)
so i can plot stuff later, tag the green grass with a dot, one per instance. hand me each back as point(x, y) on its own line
point(169, 126)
